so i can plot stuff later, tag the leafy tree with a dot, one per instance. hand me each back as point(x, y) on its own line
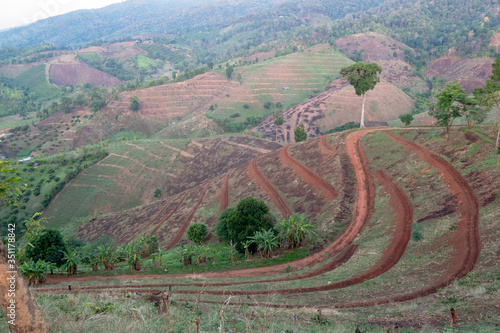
point(65, 104)
point(157, 193)
point(250, 215)
point(197, 233)
point(279, 121)
point(406, 119)
point(133, 251)
point(134, 103)
point(9, 185)
point(221, 227)
point(450, 105)
point(108, 257)
point(363, 77)
point(210, 64)
point(148, 245)
point(229, 72)
point(97, 99)
point(49, 246)
point(300, 133)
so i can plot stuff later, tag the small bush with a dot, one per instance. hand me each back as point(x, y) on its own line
point(197, 233)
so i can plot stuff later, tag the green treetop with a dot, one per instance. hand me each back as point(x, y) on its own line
point(363, 77)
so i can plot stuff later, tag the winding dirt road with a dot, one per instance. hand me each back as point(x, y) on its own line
point(465, 241)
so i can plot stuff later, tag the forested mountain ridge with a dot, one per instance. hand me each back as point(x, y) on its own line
point(128, 18)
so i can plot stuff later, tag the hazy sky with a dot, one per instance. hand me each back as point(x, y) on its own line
point(20, 12)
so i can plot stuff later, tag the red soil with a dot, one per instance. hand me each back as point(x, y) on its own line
point(186, 222)
point(363, 208)
point(224, 194)
point(392, 254)
point(65, 74)
point(307, 175)
point(169, 215)
point(465, 238)
point(153, 220)
point(342, 258)
point(254, 172)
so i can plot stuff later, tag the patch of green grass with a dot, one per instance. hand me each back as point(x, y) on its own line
point(14, 121)
point(26, 152)
point(91, 58)
point(36, 81)
point(145, 62)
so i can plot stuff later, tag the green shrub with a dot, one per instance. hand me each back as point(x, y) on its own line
point(251, 215)
point(49, 247)
point(221, 227)
point(197, 233)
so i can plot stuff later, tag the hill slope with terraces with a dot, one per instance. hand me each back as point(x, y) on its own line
point(337, 105)
point(253, 91)
point(388, 53)
point(471, 73)
point(363, 254)
point(129, 176)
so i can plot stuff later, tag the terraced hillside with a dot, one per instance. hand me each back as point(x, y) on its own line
point(65, 74)
point(389, 184)
point(254, 91)
point(471, 73)
point(288, 79)
point(337, 105)
point(174, 101)
point(133, 171)
point(389, 54)
point(310, 189)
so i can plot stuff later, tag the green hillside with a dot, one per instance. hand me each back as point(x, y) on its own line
point(35, 80)
point(288, 80)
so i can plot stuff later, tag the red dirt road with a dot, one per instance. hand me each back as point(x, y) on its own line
point(307, 175)
point(363, 210)
point(169, 215)
point(403, 210)
point(326, 149)
point(153, 220)
point(187, 221)
point(254, 172)
point(224, 194)
point(342, 258)
point(465, 242)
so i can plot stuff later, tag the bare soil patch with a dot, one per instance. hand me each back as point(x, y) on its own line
point(65, 74)
point(471, 73)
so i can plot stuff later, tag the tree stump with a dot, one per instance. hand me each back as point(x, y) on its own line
point(164, 302)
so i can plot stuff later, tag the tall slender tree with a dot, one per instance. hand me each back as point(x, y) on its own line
point(363, 77)
point(451, 104)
